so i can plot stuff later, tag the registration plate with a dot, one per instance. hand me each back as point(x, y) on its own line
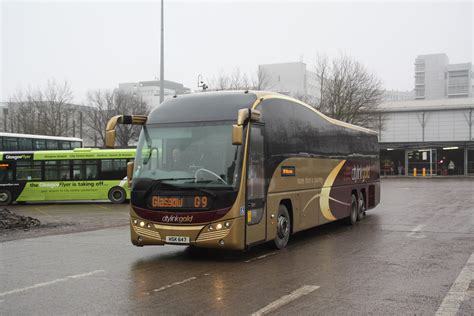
point(177, 239)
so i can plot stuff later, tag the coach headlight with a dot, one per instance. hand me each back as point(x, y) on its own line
point(135, 222)
point(142, 224)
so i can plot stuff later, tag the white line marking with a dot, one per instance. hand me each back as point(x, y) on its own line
point(302, 291)
point(71, 277)
point(415, 232)
point(174, 284)
point(261, 257)
point(458, 291)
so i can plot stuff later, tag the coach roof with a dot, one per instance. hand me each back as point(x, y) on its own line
point(205, 106)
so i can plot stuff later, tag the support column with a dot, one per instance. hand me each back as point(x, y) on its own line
point(406, 162)
point(465, 161)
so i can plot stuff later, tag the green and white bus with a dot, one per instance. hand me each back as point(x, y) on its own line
point(65, 175)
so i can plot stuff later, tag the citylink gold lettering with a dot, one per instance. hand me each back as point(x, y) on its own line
point(157, 201)
point(177, 219)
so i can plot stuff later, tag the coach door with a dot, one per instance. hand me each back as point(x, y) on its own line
point(255, 198)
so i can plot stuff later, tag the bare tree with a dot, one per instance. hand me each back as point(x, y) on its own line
point(236, 80)
point(105, 104)
point(45, 111)
point(349, 92)
point(54, 104)
point(126, 103)
point(261, 80)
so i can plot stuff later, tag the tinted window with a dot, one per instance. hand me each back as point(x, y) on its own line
point(6, 172)
point(113, 169)
point(64, 145)
point(85, 170)
point(279, 126)
point(10, 143)
point(24, 144)
point(28, 170)
point(75, 145)
point(39, 144)
point(52, 144)
point(57, 170)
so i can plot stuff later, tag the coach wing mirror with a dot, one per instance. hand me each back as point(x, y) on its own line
point(244, 115)
point(121, 119)
point(237, 132)
point(130, 166)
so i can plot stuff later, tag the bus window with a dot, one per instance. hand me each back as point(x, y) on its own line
point(6, 172)
point(111, 168)
point(56, 170)
point(24, 144)
point(28, 170)
point(64, 145)
point(52, 144)
point(39, 144)
point(92, 170)
point(1, 143)
point(84, 170)
point(75, 145)
point(10, 143)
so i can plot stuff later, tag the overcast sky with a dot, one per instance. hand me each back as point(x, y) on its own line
point(96, 45)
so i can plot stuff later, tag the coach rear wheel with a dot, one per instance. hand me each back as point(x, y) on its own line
point(5, 197)
point(283, 228)
point(361, 212)
point(352, 219)
point(117, 195)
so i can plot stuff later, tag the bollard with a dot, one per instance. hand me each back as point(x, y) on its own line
point(423, 172)
point(414, 172)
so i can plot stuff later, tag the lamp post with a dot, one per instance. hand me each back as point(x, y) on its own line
point(162, 58)
point(201, 83)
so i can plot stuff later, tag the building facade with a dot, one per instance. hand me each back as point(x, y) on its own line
point(397, 95)
point(292, 79)
point(149, 91)
point(434, 135)
point(435, 78)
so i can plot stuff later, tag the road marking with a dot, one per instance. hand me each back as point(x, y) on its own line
point(42, 212)
point(261, 257)
point(71, 277)
point(302, 291)
point(100, 206)
point(174, 284)
point(458, 291)
point(415, 232)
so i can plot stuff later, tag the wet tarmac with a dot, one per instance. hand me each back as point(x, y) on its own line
point(405, 257)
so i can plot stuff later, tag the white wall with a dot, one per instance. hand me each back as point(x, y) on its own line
point(449, 125)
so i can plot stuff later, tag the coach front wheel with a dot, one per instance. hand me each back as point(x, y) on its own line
point(5, 197)
point(117, 195)
point(283, 228)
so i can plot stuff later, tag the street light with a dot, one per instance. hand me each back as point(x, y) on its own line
point(201, 83)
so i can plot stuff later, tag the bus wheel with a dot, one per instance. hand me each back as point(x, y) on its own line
point(361, 211)
point(5, 197)
point(352, 219)
point(283, 228)
point(117, 195)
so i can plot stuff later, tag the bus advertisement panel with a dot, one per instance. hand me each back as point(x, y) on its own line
point(235, 169)
point(66, 175)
